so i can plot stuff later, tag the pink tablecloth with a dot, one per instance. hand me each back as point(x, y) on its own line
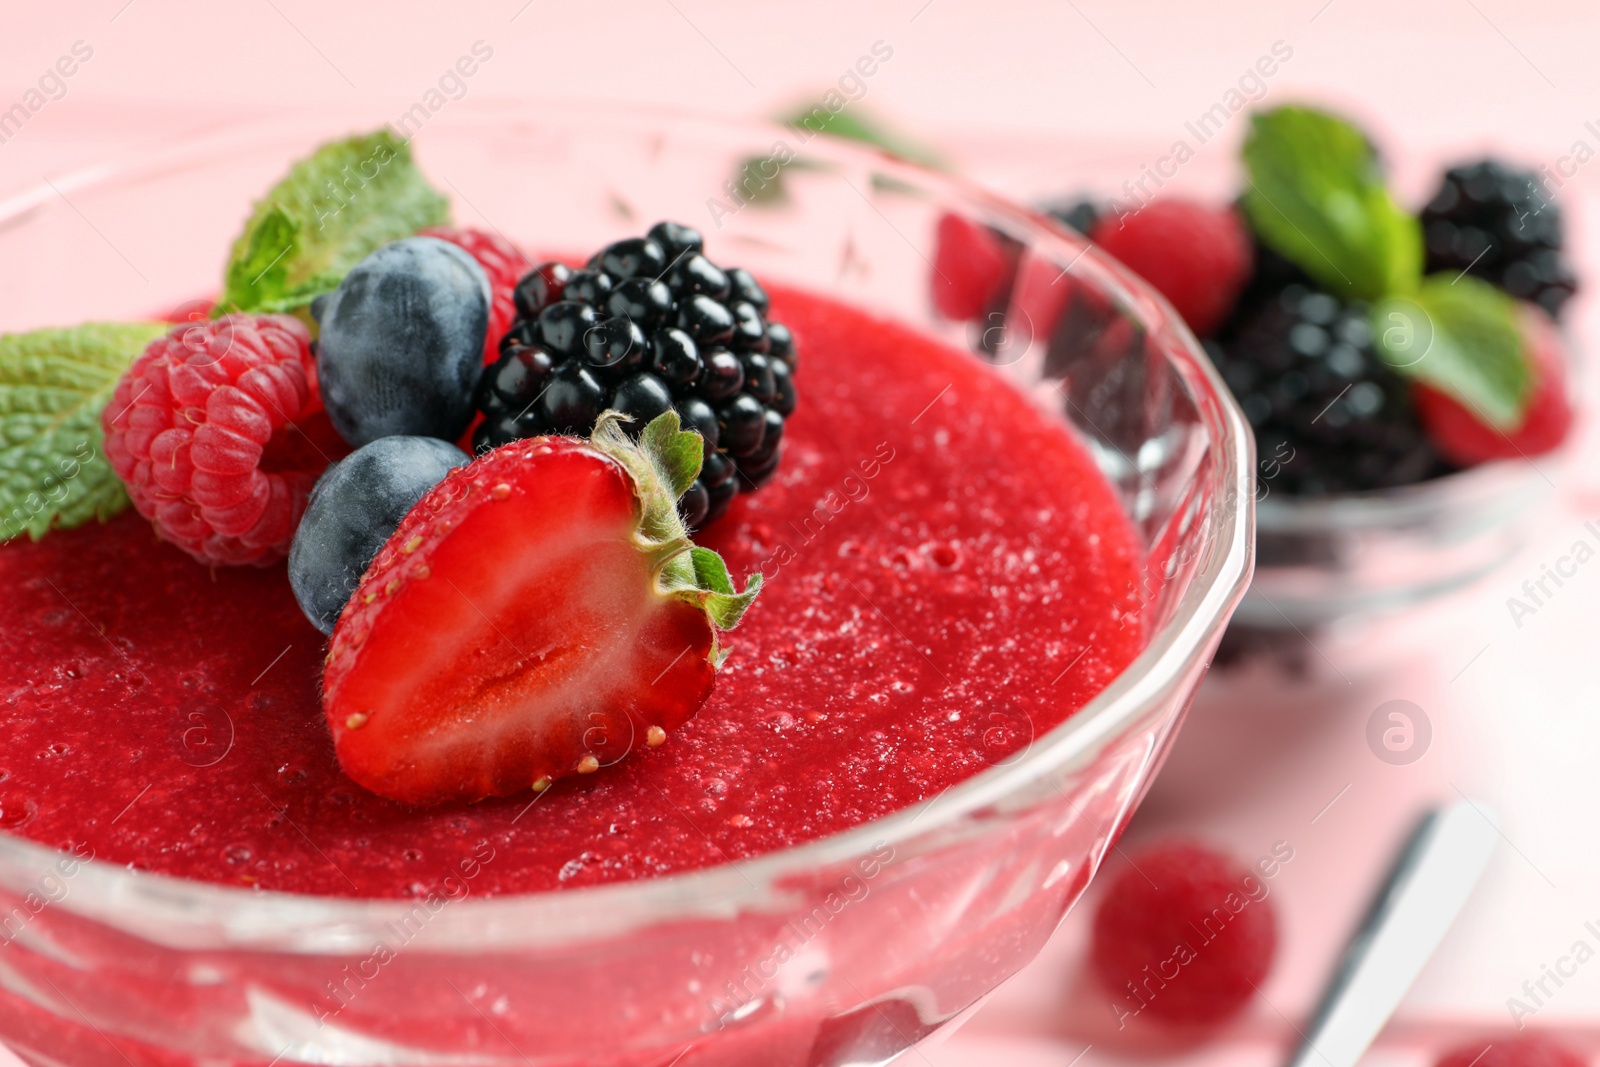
point(1013, 93)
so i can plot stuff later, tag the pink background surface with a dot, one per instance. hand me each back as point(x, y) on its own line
point(1040, 98)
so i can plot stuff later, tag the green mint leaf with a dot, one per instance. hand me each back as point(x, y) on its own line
point(53, 384)
point(851, 125)
point(1461, 336)
point(1316, 195)
point(333, 208)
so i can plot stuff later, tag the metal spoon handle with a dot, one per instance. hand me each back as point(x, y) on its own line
point(1420, 899)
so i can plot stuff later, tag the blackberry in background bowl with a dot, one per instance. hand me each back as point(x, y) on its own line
point(1376, 492)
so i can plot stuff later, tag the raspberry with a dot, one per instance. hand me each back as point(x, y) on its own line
point(193, 429)
point(1524, 1050)
point(969, 268)
point(1465, 439)
point(1196, 256)
point(1185, 934)
point(505, 265)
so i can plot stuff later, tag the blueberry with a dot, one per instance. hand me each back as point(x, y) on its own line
point(354, 508)
point(402, 342)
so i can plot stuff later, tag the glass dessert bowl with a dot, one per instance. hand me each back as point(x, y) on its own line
point(846, 949)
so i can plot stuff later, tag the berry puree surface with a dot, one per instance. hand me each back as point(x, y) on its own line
point(948, 576)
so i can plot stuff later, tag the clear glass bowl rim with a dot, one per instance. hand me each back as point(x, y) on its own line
point(188, 914)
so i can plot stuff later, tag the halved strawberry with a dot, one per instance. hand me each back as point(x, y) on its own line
point(538, 613)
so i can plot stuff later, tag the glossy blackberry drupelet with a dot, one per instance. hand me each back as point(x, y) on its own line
point(1329, 415)
point(1496, 222)
point(1271, 274)
point(649, 324)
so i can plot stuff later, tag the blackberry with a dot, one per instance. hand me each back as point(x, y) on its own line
point(648, 324)
point(1271, 274)
point(1328, 414)
point(1495, 222)
point(1082, 215)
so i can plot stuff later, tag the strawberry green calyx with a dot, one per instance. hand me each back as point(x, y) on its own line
point(663, 463)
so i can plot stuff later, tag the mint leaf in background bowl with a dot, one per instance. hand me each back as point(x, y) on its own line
point(1460, 336)
point(1316, 195)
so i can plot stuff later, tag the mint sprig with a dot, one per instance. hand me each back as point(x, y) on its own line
point(1460, 335)
point(853, 126)
point(1316, 195)
point(334, 207)
point(53, 385)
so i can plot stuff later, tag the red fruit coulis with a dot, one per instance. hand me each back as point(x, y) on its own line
point(948, 576)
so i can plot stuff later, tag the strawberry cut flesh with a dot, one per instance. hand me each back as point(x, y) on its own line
point(511, 632)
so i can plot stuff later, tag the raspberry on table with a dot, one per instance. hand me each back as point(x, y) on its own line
point(1196, 255)
point(649, 324)
point(1184, 934)
point(1521, 1050)
point(202, 429)
point(1495, 222)
point(505, 265)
